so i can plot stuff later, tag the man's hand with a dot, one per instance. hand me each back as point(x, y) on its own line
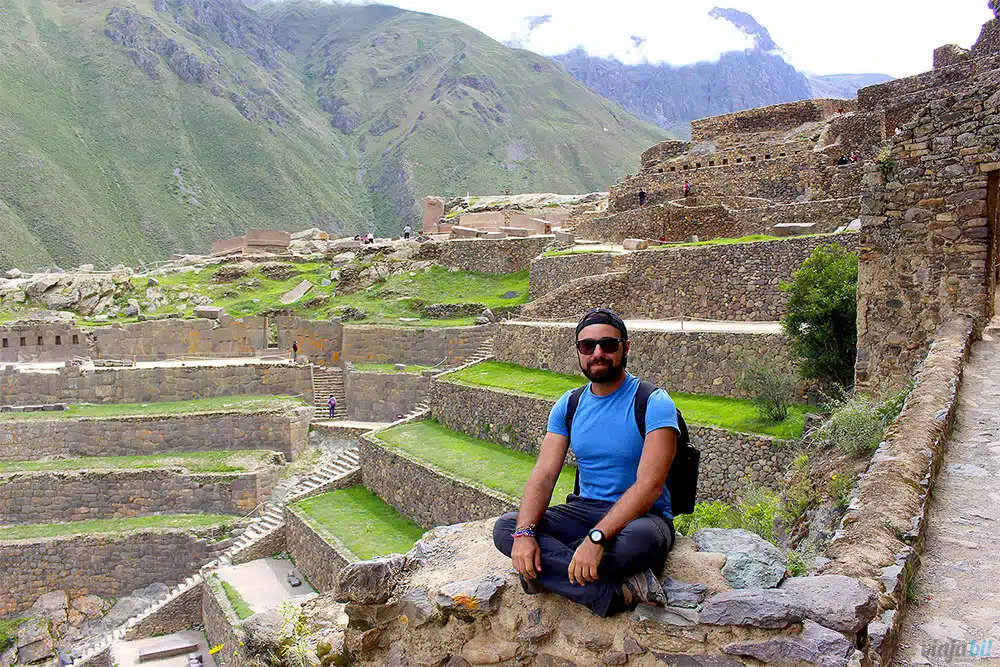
point(526, 557)
point(583, 567)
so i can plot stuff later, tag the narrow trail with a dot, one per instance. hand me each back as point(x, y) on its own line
point(956, 620)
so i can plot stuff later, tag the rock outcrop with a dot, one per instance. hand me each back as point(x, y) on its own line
point(455, 600)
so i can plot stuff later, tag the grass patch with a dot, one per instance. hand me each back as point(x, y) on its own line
point(736, 414)
point(240, 606)
point(199, 462)
point(752, 238)
point(486, 463)
point(8, 631)
point(578, 251)
point(390, 368)
point(361, 521)
point(105, 526)
point(105, 411)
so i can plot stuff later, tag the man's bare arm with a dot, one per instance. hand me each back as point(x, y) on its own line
point(541, 483)
point(657, 455)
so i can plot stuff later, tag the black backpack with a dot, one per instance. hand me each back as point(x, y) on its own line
point(682, 479)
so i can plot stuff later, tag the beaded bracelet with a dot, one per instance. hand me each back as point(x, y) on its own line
point(523, 532)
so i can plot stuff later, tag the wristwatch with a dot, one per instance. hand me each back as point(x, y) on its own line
point(597, 536)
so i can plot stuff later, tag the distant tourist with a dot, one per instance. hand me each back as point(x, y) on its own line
point(687, 188)
point(369, 238)
point(295, 350)
point(406, 231)
point(332, 404)
point(842, 160)
point(601, 548)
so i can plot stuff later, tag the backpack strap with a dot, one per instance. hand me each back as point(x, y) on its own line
point(571, 405)
point(642, 395)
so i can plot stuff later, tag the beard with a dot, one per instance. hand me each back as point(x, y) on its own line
point(605, 372)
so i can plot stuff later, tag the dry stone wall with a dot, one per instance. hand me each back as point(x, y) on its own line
point(27, 439)
point(48, 497)
point(102, 565)
point(697, 362)
point(75, 384)
point(930, 231)
point(518, 421)
point(493, 255)
point(408, 345)
point(550, 273)
point(314, 555)
point(383, 396)
point(221, 626)
point(422, 493)
point(723, 282)
point(775, 117)
point(319, 342)
point(42, 342)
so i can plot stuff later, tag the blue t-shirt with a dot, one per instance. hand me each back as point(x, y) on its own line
point(606, 440)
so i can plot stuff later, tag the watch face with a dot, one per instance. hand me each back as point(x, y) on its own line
point(596, 536)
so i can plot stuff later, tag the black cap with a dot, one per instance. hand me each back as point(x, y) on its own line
point(602, 316)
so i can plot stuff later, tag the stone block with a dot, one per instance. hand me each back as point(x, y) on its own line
point(459, 232)
point(494, 236)
point(564, 237)
point(635, 244)
point(517, 231)
point(208, 312)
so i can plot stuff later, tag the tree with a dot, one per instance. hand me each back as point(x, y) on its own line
point(822, 314)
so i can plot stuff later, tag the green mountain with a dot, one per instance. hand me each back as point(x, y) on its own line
point(128, 131)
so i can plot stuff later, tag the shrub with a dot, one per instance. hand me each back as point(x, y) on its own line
point(822, 314)
point(797, 566)
point(841, 486)
point(855, 426)
point(714, 514)
point(755, 511)
point(770, 389)
point(886, 162)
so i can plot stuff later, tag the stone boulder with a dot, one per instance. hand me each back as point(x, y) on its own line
point(834, 601)
point(815, 645)
point(263, 635)
point(34, 642)
point(751, 561)
point(371, 581)
point(472, 597)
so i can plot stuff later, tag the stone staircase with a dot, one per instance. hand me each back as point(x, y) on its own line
point(328, 380)
point(269, 519)
point(483, 352)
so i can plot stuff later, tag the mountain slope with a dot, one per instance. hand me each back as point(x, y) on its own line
point(437, 107)
point(130, 131)
point(671, 96)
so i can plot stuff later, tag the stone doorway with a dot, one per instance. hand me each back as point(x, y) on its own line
point(993, 256)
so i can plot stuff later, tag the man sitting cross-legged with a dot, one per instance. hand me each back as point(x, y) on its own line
point(599, 548)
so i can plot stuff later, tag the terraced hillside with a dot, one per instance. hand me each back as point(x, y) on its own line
point(131, 131)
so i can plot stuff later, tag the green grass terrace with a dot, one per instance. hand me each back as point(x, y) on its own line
point(194, 462)
point(390, 368)
point(111, 526)
point(360, 521)
point(735, 414)
point(465, 457)
point(244, 404)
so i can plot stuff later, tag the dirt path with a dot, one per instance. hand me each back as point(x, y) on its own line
point(957, 618)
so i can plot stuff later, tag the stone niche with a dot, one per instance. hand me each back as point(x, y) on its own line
point(454, 600)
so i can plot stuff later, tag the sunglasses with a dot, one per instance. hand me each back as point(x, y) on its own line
point(609, 345)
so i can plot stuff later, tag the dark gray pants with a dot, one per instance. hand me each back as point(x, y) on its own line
point(642, 544)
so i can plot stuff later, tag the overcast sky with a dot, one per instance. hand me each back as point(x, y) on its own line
point(894, 37)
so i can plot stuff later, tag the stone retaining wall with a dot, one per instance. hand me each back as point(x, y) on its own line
point(181, 613)
point(314, 555)
point(696, 362)
point(740, 281)
point(550, 273)
point(49, 497)
point(518, 421)
point(410, 345)
point(152, 385)
point(286, 431)
point(493, 255)
point(222, 626)
point(383, 396)
point(423, 493)
point(102, 565)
